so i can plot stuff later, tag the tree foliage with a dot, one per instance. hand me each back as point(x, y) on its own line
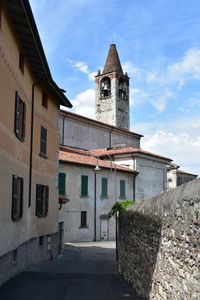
point(120, 207)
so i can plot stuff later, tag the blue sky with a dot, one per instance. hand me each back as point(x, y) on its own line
point(159, 46)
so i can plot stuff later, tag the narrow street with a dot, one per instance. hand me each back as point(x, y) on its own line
point(86, 271)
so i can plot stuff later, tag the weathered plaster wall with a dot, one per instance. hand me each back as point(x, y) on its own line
point(159, 244)
point(73, 131)
point(71, 211)
point(151, 180)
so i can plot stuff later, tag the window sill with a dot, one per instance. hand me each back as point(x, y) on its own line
point(84, 196)
point(43, 155)
point(104, 197)
point(122, 198)
point(86, 227)
point(22, 139)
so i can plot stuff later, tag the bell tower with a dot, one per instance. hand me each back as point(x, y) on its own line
point(112, 92)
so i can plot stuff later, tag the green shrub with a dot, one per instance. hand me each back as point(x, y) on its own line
point(120, 207)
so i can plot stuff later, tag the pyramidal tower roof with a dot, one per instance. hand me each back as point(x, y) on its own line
point(112, 61)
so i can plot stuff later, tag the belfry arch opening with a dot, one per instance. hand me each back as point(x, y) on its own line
point(122, 88)
point(105, 87)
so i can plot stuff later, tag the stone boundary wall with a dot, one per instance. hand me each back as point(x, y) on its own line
point(159, 244)
point(28, 253)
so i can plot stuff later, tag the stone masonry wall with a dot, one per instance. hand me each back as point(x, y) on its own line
point(159, 244)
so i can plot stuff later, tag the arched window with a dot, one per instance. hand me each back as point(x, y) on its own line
point(122, 88)
point(105, 88)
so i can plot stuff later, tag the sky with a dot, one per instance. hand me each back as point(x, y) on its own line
point(158, 43)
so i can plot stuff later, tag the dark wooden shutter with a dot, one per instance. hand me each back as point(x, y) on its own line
point(21, 197)
point(17, 99)
point(38, 200)
point(62, 183)
point(104, 187)
point(24, 121)
point(84, 185)
point(122, 188)
point(14, 197)
point(46, 200)
point(43, 140)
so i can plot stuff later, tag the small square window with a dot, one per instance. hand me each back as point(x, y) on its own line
point(83, 219)
point(45, 100)
point(41, 241)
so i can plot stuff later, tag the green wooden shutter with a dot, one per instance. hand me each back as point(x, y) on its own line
point(24, 121)
point(21, 197)
point(14, 197)
point(62, 183)
point(104, 187)
point(16, 113)
point(46, 200)
point(38, 200)
point(43, 141)
point(84, 185)
point(122, 188)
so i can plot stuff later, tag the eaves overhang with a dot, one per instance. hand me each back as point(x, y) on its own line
point(21, 17)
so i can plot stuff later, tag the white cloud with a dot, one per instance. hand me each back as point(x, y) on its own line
point(137, 96)
point(178, 72)
point(82, 66)
point(183, 148)
point(188, 67)
point(83, 103)
point(129, 68)
point(161, 101)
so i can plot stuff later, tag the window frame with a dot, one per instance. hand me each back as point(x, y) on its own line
point(21, 61)
point(42, 200)
point(45, 100)
point(83, 221)
point(20, 117)
point(17, 198)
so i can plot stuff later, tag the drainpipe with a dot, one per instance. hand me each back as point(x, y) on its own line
point(95, 207)
point(31, 142)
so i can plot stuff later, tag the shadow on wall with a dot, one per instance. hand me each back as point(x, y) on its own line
point(141, 243)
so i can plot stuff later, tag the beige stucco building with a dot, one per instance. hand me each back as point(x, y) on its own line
point(29, 103)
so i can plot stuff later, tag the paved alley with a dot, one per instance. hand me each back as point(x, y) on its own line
point(86, 271)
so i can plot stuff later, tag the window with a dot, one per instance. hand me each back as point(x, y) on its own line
point(83, 219)
point(21, 62)
point(43, 142)
point(41, 241)
point(14, 256)
point(62, 183)
point(122, 188)
point(104, 187)
point(17, 197)
point(84, 185)
point(42, 200)
point(45, 100)
point(20, 117)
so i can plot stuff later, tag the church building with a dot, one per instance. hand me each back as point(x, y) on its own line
point(85, 141)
